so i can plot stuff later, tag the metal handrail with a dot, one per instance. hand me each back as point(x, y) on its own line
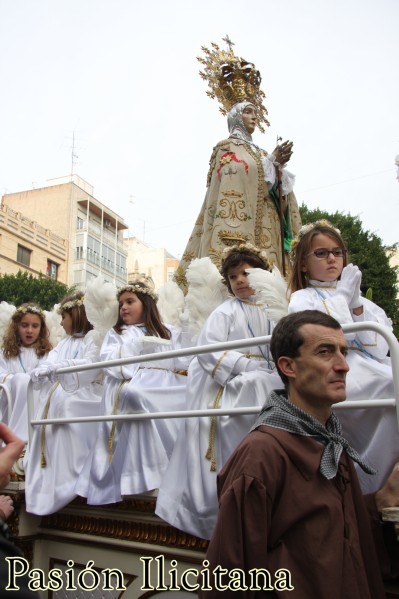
point(202, 349)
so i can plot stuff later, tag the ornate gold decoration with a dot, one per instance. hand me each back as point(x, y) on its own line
point(232, 79)
point(232, 211)
point(232, 237)
point(142, 532)
point(261, 194)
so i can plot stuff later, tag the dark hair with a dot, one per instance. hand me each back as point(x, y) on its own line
point(11, 341)
point(151, 317)
point(240, 257)
point(298, 279)
point(80, 322)
point(287, 338)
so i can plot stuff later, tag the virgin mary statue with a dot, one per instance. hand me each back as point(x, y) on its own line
point(247, 189)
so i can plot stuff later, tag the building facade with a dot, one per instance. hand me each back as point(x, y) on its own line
point(153, 265)
point(67, 207)
point(27, 246)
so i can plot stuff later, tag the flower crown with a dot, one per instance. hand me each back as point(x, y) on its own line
point(30, 310)
point(134, 288)
point(228, 250)
point(323, 222)
point(71, 304)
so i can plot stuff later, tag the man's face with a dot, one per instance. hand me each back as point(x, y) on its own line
point(317, 377)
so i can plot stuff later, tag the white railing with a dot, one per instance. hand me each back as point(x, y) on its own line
point(4, 389)
point(203, 349)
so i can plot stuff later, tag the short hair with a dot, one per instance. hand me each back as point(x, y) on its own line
point(239, 257)
point(287, 338)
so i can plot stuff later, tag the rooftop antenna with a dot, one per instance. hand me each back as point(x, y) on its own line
point(74, 156)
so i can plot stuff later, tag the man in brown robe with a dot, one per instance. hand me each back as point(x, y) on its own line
point(292, 519)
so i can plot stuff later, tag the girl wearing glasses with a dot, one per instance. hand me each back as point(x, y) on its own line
point(323, 280)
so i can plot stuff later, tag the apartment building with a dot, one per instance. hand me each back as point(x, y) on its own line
point(68, 208)
point(25, 245)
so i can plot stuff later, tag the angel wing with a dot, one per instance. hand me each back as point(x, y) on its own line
point(6, 311)
point(206, 292)
point(101, 306)
point(53, 322)
point(171, 303)
point(270, 289)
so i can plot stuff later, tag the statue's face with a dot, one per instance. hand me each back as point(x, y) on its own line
point(249, 118)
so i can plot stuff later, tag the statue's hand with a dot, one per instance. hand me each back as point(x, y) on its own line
point(283, 152)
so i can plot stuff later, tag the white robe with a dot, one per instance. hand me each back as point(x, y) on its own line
point(187, 498)
point(66, 446)
point(15, 374)
point(374, 432)
point(140, 450)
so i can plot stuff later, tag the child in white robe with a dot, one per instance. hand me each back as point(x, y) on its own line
point(323, 280)
point(130, 457)
point(187, 498)
point(58, 452)
point(25, 345)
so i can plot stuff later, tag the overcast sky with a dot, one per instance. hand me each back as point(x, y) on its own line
point(122, 76)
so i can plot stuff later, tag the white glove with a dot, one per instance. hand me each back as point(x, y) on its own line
point(357, 298)
point(244, 364)
point(349, 282)
point(42, 372)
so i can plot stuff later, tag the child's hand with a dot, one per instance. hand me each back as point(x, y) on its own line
point(349, 283)
point(356, 299)
point(11, 451)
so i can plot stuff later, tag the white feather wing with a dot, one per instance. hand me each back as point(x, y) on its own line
point(6, 311)
point(270, 289)
point(101, 306)
point(206, 292)
point(171, 303)
point(53, 322)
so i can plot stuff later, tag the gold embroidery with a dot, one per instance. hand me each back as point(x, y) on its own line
point(218, 363)
point(261, 194)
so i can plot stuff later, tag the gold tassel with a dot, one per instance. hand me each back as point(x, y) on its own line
point(43, 461)
point(113, 427)
point(210, 453)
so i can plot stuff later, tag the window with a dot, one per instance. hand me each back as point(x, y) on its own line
point(52, 269)
point(23, 255)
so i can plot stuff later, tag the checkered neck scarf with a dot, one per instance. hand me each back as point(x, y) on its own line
point(279, 412)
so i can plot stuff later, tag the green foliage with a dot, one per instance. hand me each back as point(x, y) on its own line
point(24, 287)
point(367, 251)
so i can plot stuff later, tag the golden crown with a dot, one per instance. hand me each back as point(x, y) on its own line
point(232, 79)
